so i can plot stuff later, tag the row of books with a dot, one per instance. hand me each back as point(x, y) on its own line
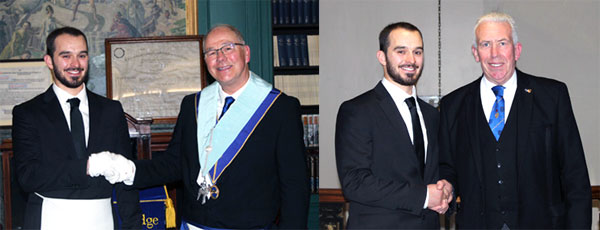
point(311, 129)
point(295, 50)
point(303, 87)
point(312, 159)
point(287, 12)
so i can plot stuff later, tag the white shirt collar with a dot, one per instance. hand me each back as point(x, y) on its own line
point(223, 94)
point(396, 92)
point(508, 85)
point(84, 108)
point(63, 96)
point(398, 96)
point(488, 97)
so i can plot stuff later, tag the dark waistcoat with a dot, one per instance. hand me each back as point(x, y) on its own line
point(499, 161)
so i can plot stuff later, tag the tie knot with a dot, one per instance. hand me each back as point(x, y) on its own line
point(228, 101)
point(410, 102)
point(498, 90)
point(74, 102)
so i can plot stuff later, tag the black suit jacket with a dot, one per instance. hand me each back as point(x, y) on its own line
point(553, 184)
point(268, 175)
point(46, 161)
point(377, 164)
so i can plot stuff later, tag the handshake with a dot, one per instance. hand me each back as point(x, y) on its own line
point(440, 195)
point(114, 167)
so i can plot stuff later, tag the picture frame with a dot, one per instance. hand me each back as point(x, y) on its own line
point(21, 80)
point(24, 26)
point(150, 76)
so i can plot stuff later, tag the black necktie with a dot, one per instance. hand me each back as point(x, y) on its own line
point(417, 132)
point(77, 128)
point(228, 101)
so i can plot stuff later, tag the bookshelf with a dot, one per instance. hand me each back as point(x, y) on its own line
point(296, 66)
point(295, 28)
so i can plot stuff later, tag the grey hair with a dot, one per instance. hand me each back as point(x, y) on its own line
point(496, 17)
point(237, 33)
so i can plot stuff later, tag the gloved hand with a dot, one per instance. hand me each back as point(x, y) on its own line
point(114, 167)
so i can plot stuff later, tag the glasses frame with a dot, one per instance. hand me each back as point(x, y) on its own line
point(232, 45)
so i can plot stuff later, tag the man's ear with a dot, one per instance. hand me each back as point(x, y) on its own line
point(48, 61)
point(247, 53)
point(381, 57)
point(475, 54)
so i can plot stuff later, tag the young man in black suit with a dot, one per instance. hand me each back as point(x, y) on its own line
point(509, 143)
point(237, 146)
point(53, 135)
point(386, 144)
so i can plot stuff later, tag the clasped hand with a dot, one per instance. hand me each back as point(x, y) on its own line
point(440, 195)
point(114, 167)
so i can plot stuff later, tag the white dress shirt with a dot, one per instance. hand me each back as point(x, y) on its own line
point(223, 95)
point(58, 213)
point(84, 108)
point(398, 95)
point(488, 97)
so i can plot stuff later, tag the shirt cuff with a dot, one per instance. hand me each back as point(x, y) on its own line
point(426, 199)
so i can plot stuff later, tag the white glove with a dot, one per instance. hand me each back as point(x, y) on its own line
point(123, 170)
point(114, 167)
point(99, 164)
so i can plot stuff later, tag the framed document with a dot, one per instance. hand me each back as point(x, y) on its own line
point(20, 81)
point(150, 76)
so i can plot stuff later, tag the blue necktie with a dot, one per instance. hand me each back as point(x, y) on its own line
point(228, 101)
point(497, 115)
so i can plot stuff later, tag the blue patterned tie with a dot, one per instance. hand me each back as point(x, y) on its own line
point(497, 115)
point(228, 101)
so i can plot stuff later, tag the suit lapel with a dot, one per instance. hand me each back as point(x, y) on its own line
point(387, 105)
point(390, 111)
point(95, 114)
point(51, 108)
point(524, 102)
point(472, 109)
point(431, 136)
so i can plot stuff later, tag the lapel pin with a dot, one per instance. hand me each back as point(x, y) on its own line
point(528, 90)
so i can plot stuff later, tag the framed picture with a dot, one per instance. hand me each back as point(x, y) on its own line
point(20, 81)
point(150, 76)
point(24, 26)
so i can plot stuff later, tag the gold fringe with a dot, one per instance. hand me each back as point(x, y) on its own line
point(169, 211)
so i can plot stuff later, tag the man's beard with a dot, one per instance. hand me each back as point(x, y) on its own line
point(63, 80)
point(395, 75)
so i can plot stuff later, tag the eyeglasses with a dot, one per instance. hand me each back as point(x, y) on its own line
point(225, 49)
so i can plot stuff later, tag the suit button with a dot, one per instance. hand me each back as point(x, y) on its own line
point(503, 212)
point(497, 149)
point(500, 182)
point(481, 213)
point(499, 165)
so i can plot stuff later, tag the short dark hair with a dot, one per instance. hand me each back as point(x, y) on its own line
point(50, 46)
point(384, 41)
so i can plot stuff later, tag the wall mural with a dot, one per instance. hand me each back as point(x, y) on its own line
point(24, 26)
